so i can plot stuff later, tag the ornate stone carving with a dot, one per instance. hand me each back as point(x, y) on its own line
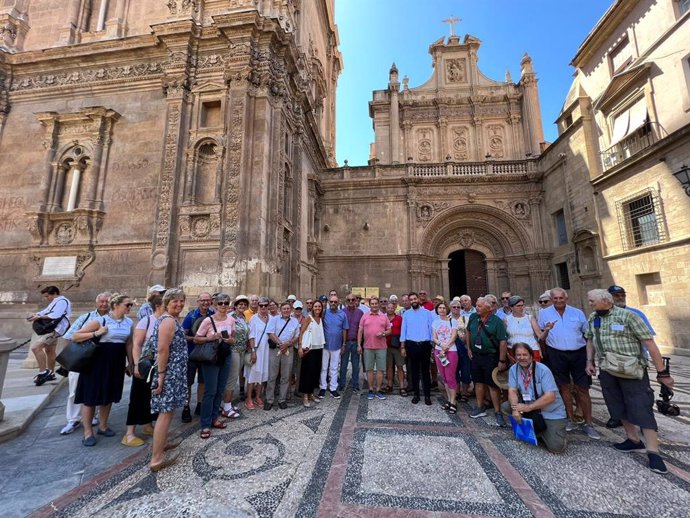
point(520, 209)
point(178, 7)
point(425, 212)
point(81, 77)
point(201, 227)
point(424, 144)
point(64, 234)
point(455, 70)
point(459, 136)
point(495, 140)
point(167, 177)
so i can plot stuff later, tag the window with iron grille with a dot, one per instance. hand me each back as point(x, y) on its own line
point(641, 220)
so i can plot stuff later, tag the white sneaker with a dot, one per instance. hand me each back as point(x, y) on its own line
point(70, 427)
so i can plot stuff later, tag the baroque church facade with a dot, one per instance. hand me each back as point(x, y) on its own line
point(192, 143)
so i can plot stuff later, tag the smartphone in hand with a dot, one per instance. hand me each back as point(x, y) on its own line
point(224, 334)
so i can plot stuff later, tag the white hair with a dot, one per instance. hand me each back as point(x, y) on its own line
point(600, 294)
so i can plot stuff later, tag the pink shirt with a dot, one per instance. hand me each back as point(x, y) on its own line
point(206, 329)
point(372, 324)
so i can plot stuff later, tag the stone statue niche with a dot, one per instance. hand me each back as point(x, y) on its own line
point(205, 174)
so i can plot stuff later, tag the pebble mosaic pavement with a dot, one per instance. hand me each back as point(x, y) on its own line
point(356, 457)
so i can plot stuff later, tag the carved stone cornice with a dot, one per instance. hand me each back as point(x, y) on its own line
point(84, 77)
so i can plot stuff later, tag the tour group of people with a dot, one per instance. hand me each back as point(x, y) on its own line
point(514, 358)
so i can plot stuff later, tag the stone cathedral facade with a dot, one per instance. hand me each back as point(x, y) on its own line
point(192, 143)
point(172, 142)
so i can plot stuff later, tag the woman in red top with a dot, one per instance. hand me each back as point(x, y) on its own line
point(396, 353)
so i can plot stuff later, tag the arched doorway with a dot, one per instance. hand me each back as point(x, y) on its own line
point(467, 273)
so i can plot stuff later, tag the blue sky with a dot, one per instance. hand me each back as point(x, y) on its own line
point(376, 33)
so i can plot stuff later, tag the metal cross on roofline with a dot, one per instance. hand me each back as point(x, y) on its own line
point(452, 21)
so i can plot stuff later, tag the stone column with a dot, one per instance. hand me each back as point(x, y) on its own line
point(443, 138)
point(535, 214)
point(407, 131)
point(6, 345)
point(445, 283)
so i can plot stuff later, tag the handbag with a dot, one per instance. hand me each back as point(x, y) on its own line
point(537, 418)
point(206, 352)
point(271, 343)
point(77, 356)
point(146, 360)
point(619, 365)
point(44, 326)
point(306, 338)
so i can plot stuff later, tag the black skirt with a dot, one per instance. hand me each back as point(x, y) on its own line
point(139, 411)
point(102, 384)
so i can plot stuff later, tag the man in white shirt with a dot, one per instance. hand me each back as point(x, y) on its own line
point(566, 354)
point(44, 346)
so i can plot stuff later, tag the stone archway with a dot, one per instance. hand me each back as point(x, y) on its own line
point(501, 238)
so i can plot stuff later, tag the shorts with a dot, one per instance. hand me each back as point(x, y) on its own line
point(51, 339)
point(630, 400)
point(192, 369)
point(394, 357)
point(375, 359)
point(482, 366)
point(569, 365)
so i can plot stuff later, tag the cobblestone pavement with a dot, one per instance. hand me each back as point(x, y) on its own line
point(352, 457)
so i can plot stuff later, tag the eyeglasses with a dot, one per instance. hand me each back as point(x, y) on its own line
point(204, 301)
point(223, 303)
point(129, 304)
point(263, 305)
point(351, 300)
point(505, 298)
point(543, 302)
point(455, 307)
point(334, 302)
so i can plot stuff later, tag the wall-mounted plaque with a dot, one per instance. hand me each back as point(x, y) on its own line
point(64, 266)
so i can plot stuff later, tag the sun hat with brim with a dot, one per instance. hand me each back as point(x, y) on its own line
point(298, 304)
point(239, 299)
point(514, 300)
point(157, 288)
point(500, 378)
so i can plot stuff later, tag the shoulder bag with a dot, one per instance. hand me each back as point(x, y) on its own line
point(146, 360)
point(271, 343)
point(208, 351)
point(77, 356)
point(44, 326)
point(619, 365)
point(306, 337)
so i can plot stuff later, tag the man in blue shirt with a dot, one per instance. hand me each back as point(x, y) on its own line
point(335, 326)
point(415, 340)
point(532, 387)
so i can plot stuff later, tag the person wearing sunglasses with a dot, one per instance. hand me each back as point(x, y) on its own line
point(101, 385)
point(257, 374)
point(505, 308)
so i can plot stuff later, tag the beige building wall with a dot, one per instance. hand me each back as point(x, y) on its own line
point(633, 67)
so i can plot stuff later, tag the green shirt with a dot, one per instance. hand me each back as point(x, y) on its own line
point(486, 339)
point(621, 332)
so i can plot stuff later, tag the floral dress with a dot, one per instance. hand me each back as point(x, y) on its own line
point(174, 393)
point(241, 333)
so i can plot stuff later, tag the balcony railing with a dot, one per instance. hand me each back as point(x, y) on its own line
point(434, 170)
point(472, 168)
point(629, 146)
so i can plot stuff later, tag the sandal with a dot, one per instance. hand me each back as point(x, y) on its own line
point(259, 401)
point(249, 404)
point(463, 398)
point(447, 406)
point(389, 389)
point(452, 409)
point(219, 424)
point(205, 433)
point(403, 392)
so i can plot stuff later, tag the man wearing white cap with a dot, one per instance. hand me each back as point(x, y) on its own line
point(146, 308)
